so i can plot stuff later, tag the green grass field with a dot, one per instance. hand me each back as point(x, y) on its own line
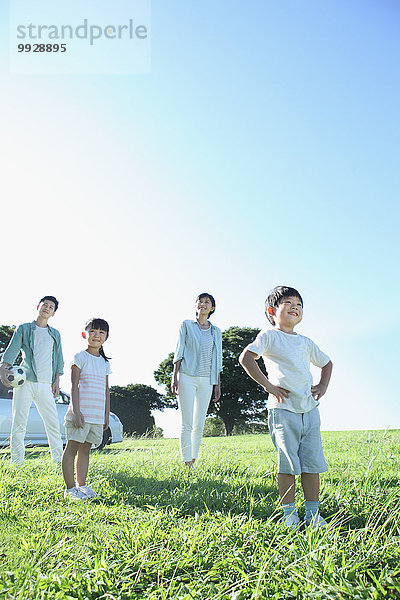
point(158, 533)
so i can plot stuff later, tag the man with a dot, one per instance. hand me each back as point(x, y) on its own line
point(43, 362)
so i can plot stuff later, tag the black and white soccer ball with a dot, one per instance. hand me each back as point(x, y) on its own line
point(15, 376)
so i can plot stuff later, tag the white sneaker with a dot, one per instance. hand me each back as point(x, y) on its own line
point(75, 494)
point(291, 521)
point(88, 491)
point(316, 521)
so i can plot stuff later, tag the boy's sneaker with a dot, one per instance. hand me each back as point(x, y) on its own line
point(291, 521)
point(75, 494)
point(88, 491)
point(316, 521)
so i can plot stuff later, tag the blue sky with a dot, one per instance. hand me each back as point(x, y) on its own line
point(261, 149)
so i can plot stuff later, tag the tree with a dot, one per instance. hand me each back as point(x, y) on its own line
point(241, 427)
point(133, 404)
point(157, 433)
point(163, 377)
point(6, 333)
point(242, 399)
point(214, 427)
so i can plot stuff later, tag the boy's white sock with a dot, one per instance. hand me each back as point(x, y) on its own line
point(289, 509)
point(311, 509)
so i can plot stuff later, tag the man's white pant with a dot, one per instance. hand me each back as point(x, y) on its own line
point(42, 396)
point(194, 399)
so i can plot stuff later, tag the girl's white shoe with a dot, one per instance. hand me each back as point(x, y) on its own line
point(88, 491)
point(75, 494)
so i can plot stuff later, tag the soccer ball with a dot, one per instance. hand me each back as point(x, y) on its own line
point(15, 376)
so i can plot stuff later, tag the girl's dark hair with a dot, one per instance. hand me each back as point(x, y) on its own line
point(97, 323)
point(276, 296)
point(207, 295)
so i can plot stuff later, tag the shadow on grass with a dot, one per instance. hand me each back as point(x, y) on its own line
point(32, 453)
point(356, 504)
point(109, 449)
point(192, 495)
point(385, 483)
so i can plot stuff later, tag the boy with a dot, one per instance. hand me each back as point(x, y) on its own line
point(43, 363)
point(293, 416)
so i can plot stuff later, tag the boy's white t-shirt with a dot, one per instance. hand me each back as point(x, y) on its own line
point(287, 358)
point(43, 354)
point(92, 387)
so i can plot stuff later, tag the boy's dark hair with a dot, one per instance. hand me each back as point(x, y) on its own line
point(276, 296)
point(50, 299)
point(207, 295)
point(97, 323)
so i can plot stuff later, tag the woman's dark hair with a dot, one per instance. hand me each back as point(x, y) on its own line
point(50, 299)
point(276, 296)
point(97, 323)
point(207, 295)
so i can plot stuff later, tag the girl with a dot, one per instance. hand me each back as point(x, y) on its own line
point(89, 410)
point(197, 368)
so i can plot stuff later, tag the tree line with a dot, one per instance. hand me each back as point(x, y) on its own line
point(242, 404)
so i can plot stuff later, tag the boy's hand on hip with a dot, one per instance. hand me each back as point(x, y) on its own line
point(318, 390)
point(279, 392)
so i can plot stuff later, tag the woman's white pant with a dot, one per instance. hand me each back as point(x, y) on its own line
point(41, 395)
point(194, 399)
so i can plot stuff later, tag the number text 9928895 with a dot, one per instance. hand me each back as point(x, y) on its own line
point(42, 47)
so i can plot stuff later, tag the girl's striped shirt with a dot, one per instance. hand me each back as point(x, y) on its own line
point(92, 387)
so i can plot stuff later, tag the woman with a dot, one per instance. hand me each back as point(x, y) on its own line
point(197, 368)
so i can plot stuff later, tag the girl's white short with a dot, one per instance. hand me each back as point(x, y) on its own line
point(90, 432)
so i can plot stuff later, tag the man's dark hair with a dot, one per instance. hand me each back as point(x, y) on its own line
point(207, 295)
point(50, 299)
point(276, 296)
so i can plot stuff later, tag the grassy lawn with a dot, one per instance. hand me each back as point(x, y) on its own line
point(158, 533)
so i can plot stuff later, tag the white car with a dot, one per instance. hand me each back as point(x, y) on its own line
point(35, 432)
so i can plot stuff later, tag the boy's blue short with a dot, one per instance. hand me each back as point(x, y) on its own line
point(297, 439)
